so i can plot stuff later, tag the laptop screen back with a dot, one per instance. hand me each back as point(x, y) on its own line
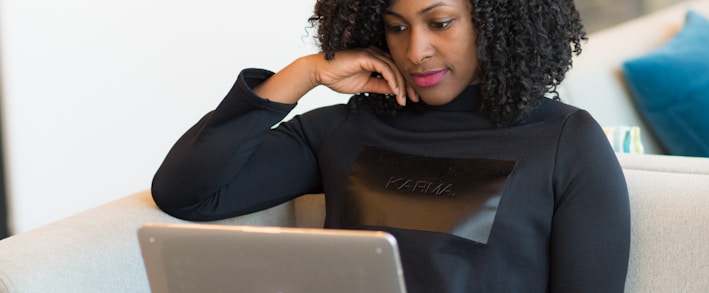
point(219, 258)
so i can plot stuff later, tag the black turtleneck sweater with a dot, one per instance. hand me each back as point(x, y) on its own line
point(538, 207)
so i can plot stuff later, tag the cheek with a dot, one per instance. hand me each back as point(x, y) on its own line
point(398, 55)
point(469, 55)
point(396, 47)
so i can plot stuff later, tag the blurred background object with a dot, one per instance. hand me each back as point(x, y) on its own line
point(600, 14)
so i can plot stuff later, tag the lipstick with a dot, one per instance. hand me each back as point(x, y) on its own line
point(429, 78)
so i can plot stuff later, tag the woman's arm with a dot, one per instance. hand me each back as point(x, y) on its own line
point(213, 172)
point(591, 225)
point(231, 162)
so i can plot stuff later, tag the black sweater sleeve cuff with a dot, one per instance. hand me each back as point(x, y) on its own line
point(241, 98)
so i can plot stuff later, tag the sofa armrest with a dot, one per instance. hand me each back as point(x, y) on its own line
point(669, 199)
point(97, 250)
point(664, 163)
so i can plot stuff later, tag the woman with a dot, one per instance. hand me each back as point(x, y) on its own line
point(449, 144)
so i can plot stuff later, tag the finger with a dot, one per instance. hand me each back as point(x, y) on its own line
point(391, 73)
point(413, 96)
point(400, 81)
point(379, 86)
point(389, 78)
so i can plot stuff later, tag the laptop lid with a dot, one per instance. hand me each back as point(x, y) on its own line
point(222, 258)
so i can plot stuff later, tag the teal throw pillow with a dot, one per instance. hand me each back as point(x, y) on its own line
point(670, 86)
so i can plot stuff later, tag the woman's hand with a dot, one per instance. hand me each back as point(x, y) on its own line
point(350, 72)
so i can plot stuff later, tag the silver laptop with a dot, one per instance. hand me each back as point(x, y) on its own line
point(221, 258)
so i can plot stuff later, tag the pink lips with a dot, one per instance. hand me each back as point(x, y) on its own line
point(429, 79)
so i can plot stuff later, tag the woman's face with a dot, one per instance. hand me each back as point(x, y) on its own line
point(432, 43)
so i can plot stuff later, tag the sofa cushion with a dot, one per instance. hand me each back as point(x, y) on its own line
point(670, 86)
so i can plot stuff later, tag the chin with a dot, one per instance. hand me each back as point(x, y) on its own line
point(433, 97)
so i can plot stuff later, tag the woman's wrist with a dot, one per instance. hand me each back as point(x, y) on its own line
point(289, 84)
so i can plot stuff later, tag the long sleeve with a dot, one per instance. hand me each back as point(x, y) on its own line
point(232, 162)
point(590, 237)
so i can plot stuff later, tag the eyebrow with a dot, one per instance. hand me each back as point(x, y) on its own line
point(422, 11)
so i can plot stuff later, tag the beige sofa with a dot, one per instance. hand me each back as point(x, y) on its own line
point(97, 250)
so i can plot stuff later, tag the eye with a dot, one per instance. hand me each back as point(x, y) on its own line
point(395, 28)
point(441, 25)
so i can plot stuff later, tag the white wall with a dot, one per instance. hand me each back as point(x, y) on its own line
point(96, 92)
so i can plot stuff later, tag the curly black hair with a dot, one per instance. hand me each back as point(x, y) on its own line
point(525, 48)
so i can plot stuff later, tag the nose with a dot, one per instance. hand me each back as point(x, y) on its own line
point(420, 48)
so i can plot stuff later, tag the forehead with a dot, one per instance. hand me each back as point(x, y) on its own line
point(423, 6)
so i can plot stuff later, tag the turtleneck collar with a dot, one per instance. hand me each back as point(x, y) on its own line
point(466, 101)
